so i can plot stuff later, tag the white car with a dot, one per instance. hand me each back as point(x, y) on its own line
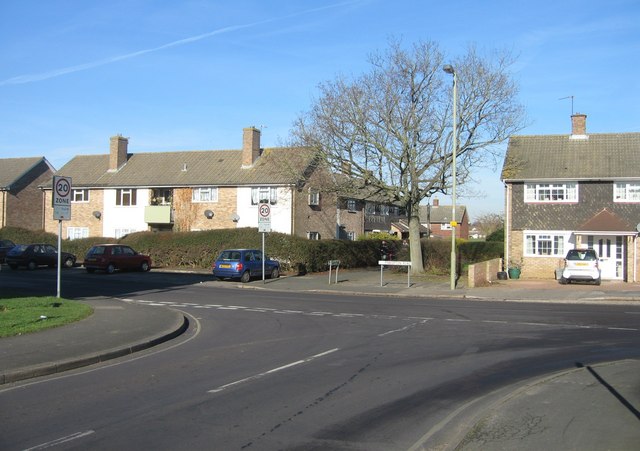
point(582, 265)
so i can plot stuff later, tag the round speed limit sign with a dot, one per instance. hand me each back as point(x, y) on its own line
point(265, 210)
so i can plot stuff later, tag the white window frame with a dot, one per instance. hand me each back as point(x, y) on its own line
point(208, 194)
point(121, 195)
point(313, 235)
point(314, 197)
point(545, 243)
point(120, 232)
point(626, 192)
point(264, 194)
point(79, 196)
point(76, 233)
point(566, 192)
point(352, 205)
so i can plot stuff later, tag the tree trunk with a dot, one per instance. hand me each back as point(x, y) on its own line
point(415, 247)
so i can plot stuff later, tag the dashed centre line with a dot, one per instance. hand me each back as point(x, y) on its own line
point(344, 315)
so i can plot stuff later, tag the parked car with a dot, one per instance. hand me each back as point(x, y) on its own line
point(112, 257)
point(244, 264)
point(39, 254)
point(581, 264)
point(5, 246)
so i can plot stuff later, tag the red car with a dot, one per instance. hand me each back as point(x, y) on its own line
point(112, 257)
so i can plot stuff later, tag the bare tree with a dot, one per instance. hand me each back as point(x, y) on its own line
point(391, 128)
point(489, 222)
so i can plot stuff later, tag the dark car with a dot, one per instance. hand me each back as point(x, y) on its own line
point(39, 254)
point(244, 264)
point(109, 257)
point(5, 246)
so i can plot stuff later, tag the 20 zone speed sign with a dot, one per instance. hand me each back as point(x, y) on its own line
point(61, 191)
point(264, 218)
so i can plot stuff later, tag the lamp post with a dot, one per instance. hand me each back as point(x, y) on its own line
point(448, 68)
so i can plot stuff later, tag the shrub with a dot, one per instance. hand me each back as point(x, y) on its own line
point(198, 250)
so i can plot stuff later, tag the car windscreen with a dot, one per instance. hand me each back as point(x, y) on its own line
point(18, 249)
point(229, 256)
point(581, 255)
point(97, 250)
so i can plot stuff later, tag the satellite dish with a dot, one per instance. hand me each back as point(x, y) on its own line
point(638, 227)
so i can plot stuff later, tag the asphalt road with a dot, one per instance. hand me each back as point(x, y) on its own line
point(270, 370)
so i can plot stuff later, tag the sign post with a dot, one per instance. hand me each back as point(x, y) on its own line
point(61, 203)
point(264, 226)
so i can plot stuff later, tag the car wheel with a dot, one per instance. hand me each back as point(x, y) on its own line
point(68, 263)
point(563, 281)
point(13, 266)
point(91, 270)
point(111, 268)
point(598, 281)
point(245, 277)
point(31, 265)
point(275, 273)
point(144, 266)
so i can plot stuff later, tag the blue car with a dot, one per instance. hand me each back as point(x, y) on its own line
point(244, 264)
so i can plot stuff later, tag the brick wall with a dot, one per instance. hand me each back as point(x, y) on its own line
point(24, 203)
point(81, 214)
point(190, 216)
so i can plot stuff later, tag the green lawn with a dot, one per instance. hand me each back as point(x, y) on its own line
point(25, 315)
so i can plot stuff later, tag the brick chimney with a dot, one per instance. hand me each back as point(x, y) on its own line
point(117, 152)
point(579, 125)
point(436, 202)
point(250, 146)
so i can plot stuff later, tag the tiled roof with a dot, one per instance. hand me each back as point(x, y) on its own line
point(605, 221)
point(189, 168)
point(441, 214)
point(599, 155)
point(13, 169)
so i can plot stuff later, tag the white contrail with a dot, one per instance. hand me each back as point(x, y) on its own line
point(68, 70)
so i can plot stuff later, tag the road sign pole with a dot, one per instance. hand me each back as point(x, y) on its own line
point(59, 257)
point(263, 258)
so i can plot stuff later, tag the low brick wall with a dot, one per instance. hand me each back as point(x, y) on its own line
point(483, 273)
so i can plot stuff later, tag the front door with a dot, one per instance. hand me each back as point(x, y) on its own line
point(610, 251)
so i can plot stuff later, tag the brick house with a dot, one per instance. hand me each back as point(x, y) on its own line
point(120, 192)
point(20, 198)
point(569, 191)
point(437, 219)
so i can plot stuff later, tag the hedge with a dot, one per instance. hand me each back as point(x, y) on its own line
point(198, 250)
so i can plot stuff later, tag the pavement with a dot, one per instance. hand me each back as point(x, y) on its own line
point(542, 413)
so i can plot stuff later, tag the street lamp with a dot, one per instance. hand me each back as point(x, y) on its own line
point(448, 68)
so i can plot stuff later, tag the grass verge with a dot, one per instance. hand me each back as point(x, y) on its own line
point(32, 314)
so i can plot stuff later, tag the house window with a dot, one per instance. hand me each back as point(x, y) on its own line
point(264, 195)
point(126, 197)
point(626, 192)
point(161, 196)
point(551, 192)
point(75, 233)
point(313, 235)
point(119, 233)
point(351, 236)
point(314, 197)
point(544, 244)
point(207, 194)
point(80, 195)
point(351, 205)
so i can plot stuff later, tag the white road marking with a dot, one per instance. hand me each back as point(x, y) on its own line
point(402, 329)
point(360, 315)
point(274, 370)
point(61, 440)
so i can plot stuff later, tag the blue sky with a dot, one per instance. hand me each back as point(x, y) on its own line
point(189, 75)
